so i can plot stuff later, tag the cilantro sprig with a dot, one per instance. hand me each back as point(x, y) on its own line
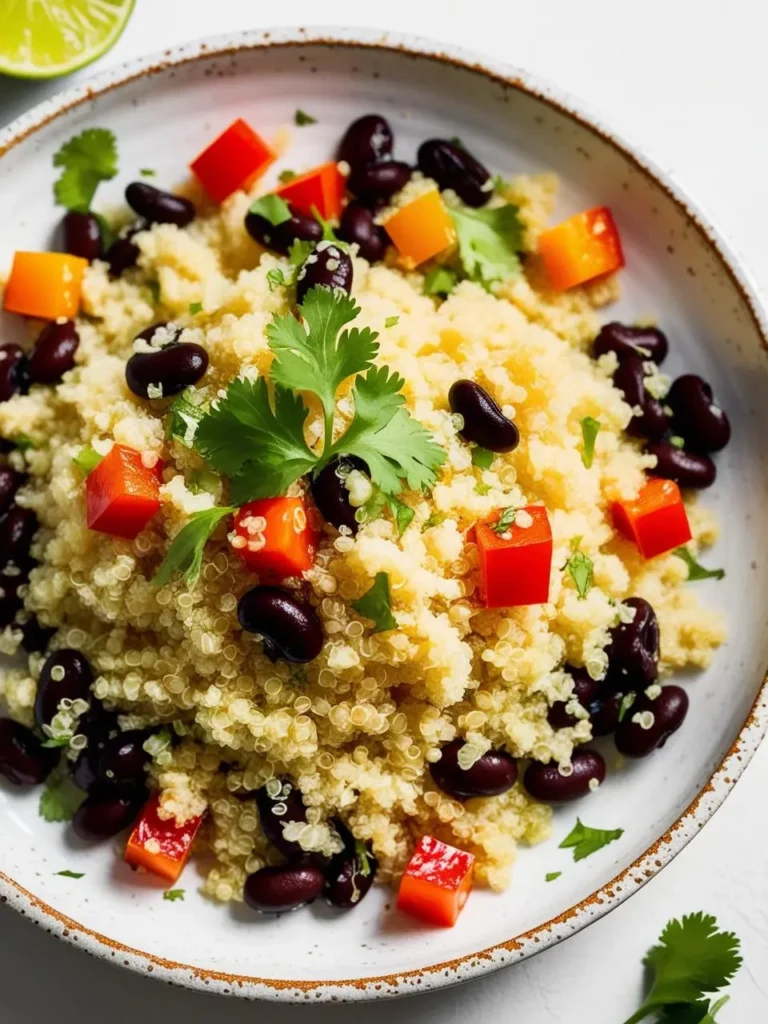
point(86, 160)
point(489, 242)
point(696, 571)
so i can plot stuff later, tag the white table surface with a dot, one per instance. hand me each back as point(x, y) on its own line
point(687, 81)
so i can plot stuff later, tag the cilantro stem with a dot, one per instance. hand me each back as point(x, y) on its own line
point(328, 429)
point(641, 1014)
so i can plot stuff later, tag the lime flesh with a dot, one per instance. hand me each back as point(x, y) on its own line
point(45, 38)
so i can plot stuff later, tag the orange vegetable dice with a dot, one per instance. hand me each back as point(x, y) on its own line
point(122, 493)
point(581, 248)
point(159, 845)
point(320, 189)
point(45, 285)
point(655, 520)
point(436, 883)
point(515, 566)
point(275, 538)
point(422, 229)
point(232, 161)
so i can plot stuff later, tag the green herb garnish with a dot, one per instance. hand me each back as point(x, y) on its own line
point(87, 159)
point(552, 875)
point(401, 513)
point(361, 852)
point(580, 568)
point(272, 208)
point(374, 605)
point(434, 520)
point(626, 703)
point(482, 458)
point(695, 570)
point(23, 442)
point(60, 799)
point(676, 441)
point(185, 554)
point(298, 252)
point(70, 874)
point(301, 118)
point(489, 241)
point(172, 895)
point(481, 488)
point(584, 841)
point(87, 459)
point(285, 176)
point(440, 281)
point(195, 308)
point(590, 428)
point(391, 321)
point(108, 236)
point(147, 172)
point(56, 742)
point(275, 278)
point(505, 520)
point(183, 419)
point(155, 292)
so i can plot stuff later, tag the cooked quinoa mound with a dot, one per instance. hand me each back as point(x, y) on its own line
point(356, 729)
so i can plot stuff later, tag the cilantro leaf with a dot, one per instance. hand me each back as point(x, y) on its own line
point(374, 605)
point(87, 159)
point(440, 281)
point(585, 840)
point(692, 1013)
point(482, 458)
point(70, 874)
point(695, 570)
point(391, 321)
point(183, 419)
point(489, 241)
point(301, 118)
point(173, 894)
point(186, 552)
point(261, 450)
point(590, 428)
point(481, 488)
point(434, 520)
point(552, 875)
point(273, 208)
point(60, 799)
point(299, 251)
point(401, 513)
point(275, 278)
point(285, 176)
point(580, 569)
point(505, 520)
point(626, 703)
point(195, 308)
point(147, 172)
point(87, 459)
point(676, 441)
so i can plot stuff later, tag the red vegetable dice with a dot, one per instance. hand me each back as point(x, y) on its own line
point(160, 845)
point(275, 538)
point(515, 566)
point(320, 189)
point(436, 883)
point(232, 161)
point(122, 493)
point(655, 520)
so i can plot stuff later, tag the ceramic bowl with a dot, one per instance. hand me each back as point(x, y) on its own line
point(163, 110)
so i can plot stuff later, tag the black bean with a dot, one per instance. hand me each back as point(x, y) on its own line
point(633, 650)
point(350, 875)
point(326, 266)
point(35, 637)
point(664, 716)
point(159, 207)
point(53, 353)
point(584, 689)
point(24, 761)
point(604, 713)
point(493, 773)
point(289, 626)
point(10, 599)
point(453, 167)
point(124, 253)
point(484, 422)
point(330, 494)
point(171, 369)
point(629, 378)
point(122, 760)
point(105, 812)
point(642, 342)
point(13, 371)
point(545, 781)
point(10, 482)
point(274, 812)
point(278, 889)
point(366, 141)
point(358, 225)
point(17, 530)
point(280, 237)
point(65, 675)
point(372, 183)
point(82, 235)
point(696, 417)
point(686, 468)
point(99, 727)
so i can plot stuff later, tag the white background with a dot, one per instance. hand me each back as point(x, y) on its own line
point(687, 81)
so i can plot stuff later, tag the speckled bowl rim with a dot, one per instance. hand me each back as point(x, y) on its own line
point(701, 809)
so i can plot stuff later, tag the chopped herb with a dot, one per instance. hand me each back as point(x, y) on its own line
point(185, 554)
point(626, 703)
point(482, 458)
point(552, 875)
point(195, 308)
point(580, 568)
point(374, 605)
point(329, 235)
point(361, 852)
point(676, 441)
point(692, 960)
point(301, 118)
point(272, 208)
point(60, 799)
point(403, 514)
point(590, 428)
point(440, 281)
point(456, 141)
point(172, 895)
point(87, 459)
point(481, 488)
point(87, 159)
point(391, 321)
point(105, 230)
point(505, 520)
point(203, 481)
point(299, 251)
point(154, 291)
point(585, 840)
point(500, 184)
point(148, 172)
point(285, 176)
point(695, 570)
point(489, 241)
point(275, 278)
point(70, 874)
point(23, 442)
point(55, 742)
point(434, 520)
point(183, 418)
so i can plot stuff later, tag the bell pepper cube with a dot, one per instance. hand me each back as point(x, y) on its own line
point(515, 565)
point(232, 161)
point(45, 285)
point(436, 883)
point(160, 845)
point(583, 247)
point(655, 520)
point(320, 189)
point(122, 493)
point(274, 537)
point(421, 229)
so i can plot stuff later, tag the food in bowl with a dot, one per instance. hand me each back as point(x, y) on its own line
point(335, 525)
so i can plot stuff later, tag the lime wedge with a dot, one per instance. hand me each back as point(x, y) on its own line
point(46, 38)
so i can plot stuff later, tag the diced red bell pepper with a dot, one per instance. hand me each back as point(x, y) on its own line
point(515, 566)
point(274, 537)
point(160, 845)
point(45, 285)
point(122, 493)
point(436, 883)
point(656, 519)
point(232, 161)
point(320, 189)
point(581, 248)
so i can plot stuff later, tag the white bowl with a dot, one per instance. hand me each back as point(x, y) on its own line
point(163, 109)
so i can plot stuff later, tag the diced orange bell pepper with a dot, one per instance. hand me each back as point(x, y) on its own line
point(159, 845)
point(436, 883)
point(656, 519)
point(274, 537)
point(421, 229)
point(45, 285)
point(232, 161)
point(320, 189)
point(515, 566)
point(122, 493)
point(583, 247)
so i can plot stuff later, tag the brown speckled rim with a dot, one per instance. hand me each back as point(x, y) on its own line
point(726, 774)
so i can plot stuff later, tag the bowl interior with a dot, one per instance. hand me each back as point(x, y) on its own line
point(673, 273)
